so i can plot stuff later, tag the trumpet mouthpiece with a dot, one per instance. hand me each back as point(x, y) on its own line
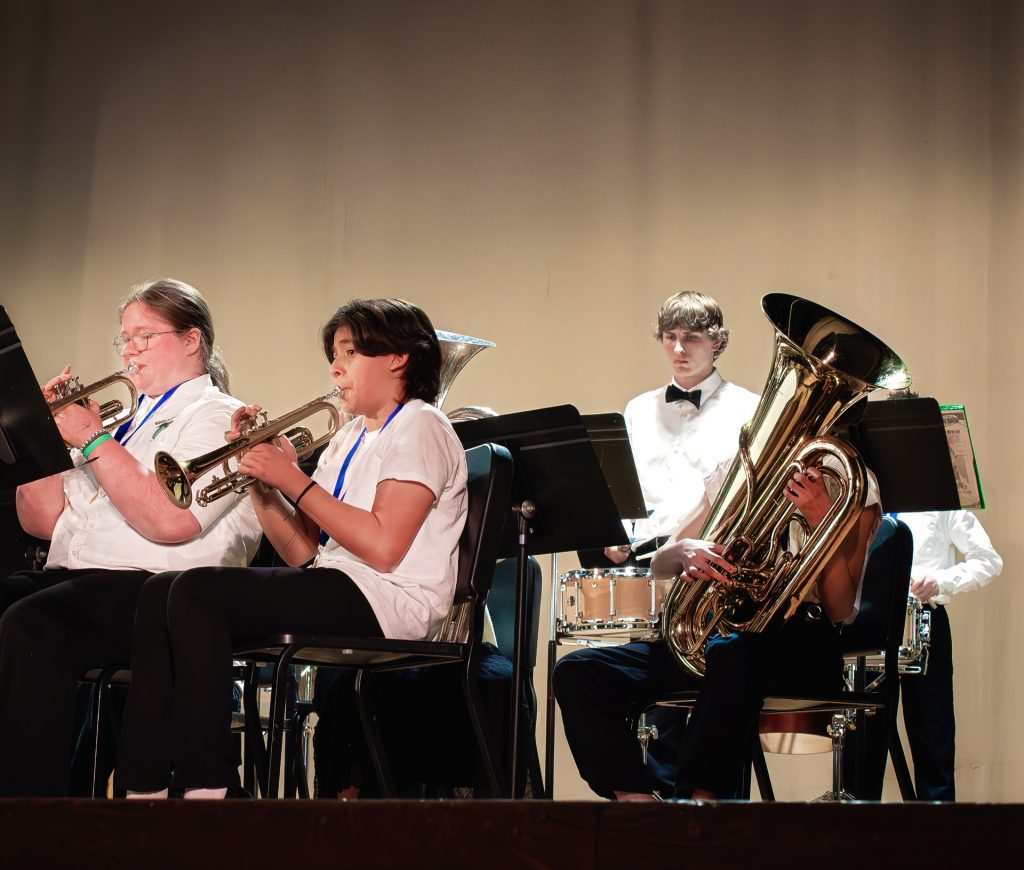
point(130, 369)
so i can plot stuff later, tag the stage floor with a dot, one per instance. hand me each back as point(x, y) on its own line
point(485, 834)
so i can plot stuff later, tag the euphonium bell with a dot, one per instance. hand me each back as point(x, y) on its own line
point(823, 365)
point(456, 351)
point(176, 478)
point(113, 412)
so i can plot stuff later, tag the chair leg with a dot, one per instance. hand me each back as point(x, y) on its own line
point(374, 742)
point(899, 760)
point(764, 780)
point(275, 727)
point(255, 768)
point(496, 782)
point(100, 695)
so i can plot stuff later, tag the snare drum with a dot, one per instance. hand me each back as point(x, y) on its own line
point(619, 603)
point(917, 634)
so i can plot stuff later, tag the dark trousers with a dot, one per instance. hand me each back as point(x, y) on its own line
point(56, 626)
point(802, 657)
point(178, 714)
point(600, 691)
point(928, 716)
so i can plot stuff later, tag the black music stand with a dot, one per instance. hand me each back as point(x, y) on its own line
point(30, 444)
point(574, 482)
point(904, 443)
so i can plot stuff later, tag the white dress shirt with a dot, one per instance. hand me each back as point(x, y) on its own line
point(677, 447)
point(418, 445)
point(92, 533)
point(940, 539)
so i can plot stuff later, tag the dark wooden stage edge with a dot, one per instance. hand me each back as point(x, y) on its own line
point(484, 834)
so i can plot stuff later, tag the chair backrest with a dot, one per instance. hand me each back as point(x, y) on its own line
point(489, 491)
point(883, 602)
point(501, 604)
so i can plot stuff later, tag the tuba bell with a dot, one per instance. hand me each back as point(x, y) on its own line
point(456, 351)
point(823, 365)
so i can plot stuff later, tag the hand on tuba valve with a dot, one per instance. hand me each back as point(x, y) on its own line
point(113, 412)
point(177, 478)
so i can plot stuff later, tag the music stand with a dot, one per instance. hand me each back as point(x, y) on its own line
point(564, 498)
point(904, 443)
point(30, 444)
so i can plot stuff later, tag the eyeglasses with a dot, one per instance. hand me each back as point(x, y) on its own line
point(140, 341)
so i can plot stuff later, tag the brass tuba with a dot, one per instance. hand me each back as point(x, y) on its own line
point(176, 478)
point(456, 351)
point(113, 412)
point(823, 365)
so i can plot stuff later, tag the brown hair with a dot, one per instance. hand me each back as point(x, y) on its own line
point(183, 307)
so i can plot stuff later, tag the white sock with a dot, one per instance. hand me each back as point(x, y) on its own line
point(207, 794)
point(147, 795)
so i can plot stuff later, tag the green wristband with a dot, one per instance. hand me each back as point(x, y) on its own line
point(99, 439)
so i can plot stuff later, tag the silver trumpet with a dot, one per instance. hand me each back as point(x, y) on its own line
point(176, 478)
point(113, 412)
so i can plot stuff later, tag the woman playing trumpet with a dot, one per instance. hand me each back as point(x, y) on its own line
point(110, 528)
point(381, 519)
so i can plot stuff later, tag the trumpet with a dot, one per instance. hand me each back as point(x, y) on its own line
point(176, 478)
point(113, 413)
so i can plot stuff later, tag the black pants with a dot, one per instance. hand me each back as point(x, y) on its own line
point(928, 716)
point(802, 657)
point(178, 714)
point(599, 690)
point(56, 626)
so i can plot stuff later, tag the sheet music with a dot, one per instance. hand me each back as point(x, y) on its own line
point(961, 451)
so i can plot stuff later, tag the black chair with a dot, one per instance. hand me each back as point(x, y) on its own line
point(459, 643)
point(877, 629)
point(501, 604)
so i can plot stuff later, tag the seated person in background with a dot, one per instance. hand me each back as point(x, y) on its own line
point(381, 519)
point(110, 528)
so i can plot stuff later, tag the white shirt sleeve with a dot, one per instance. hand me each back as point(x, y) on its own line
point(981, 562)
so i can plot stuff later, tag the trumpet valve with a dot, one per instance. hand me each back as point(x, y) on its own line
point(67, 388)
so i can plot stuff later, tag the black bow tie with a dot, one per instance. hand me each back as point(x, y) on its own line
point(674, 394)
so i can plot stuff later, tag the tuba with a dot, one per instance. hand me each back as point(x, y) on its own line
point(113, 412)
point(456, 351)
point(823, 365)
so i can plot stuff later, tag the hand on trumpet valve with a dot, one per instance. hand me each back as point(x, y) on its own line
point(245, 420)
point(273, 463)
point(806, 491)
point(52, 388)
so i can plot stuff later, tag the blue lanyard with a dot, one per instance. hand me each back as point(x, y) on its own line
point(119, 434)
point(324, 537)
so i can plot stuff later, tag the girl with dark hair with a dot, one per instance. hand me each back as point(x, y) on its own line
point(381, 520)
point(110, 528)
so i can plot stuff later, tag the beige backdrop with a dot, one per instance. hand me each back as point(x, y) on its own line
point(542, 173)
